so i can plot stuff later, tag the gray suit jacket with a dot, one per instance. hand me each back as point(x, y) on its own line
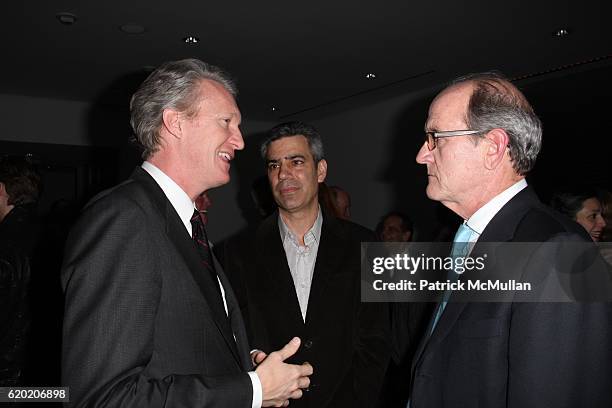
point(139, 329)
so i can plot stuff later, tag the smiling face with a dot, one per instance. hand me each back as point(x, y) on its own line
point(455, 165)
point(294, 177)
point(590, 217)
point(210, 138)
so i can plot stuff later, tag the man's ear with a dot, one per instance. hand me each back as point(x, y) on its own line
point(171, 120)
point(496, 146)
point(321, 170)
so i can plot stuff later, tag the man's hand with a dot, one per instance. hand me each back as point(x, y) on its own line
point(257, 356)
point(281, 381)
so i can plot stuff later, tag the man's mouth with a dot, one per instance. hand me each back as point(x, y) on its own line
point(225, 156)
point(287, 189)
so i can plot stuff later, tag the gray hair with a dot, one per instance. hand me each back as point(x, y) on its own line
point(497, 103)
point(295, 128)
point(173, 85)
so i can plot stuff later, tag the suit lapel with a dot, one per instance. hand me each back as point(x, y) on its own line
point(329, 256)
point(277, 274)
point(185, 247)
point(500, 229)
point(235, 316)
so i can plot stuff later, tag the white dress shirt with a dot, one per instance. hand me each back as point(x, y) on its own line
point(301, 258)
point(481, 218)
point(184, 208)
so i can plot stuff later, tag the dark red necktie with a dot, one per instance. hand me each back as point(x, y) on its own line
point(198, 233)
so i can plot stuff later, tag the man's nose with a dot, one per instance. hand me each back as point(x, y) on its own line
point(237, 139)
point(424, 155)
point(283, 171)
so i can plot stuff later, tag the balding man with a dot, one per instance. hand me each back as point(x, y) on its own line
point(482, 138)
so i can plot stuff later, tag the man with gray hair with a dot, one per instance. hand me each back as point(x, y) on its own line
point(150, 319)
point(482, 138)
point(298, 273)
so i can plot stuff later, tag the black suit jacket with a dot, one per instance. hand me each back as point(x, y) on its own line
point(346, 341)
point(518, 354)
point(139, 328)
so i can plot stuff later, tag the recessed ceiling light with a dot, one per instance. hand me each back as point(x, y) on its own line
point(190, 39)
point(273, 109)
point(66, 18)
point(370, 75)
point(131, 28)
point(562, 32)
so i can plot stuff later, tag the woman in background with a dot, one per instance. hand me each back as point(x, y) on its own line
point(583, 206)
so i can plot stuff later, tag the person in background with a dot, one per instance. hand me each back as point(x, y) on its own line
point(395, 226)
point(342, 202)
point(582, 204)
point(19, 235)
point(299, 272)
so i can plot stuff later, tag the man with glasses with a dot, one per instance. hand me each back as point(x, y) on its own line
point(482, 138)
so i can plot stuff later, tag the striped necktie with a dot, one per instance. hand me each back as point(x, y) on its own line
point(198, 233)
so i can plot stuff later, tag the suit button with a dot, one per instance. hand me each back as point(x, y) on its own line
point(308, 344)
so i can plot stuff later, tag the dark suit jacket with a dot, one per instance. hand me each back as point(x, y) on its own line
point(19, 236)
point(140, 329)
point(346, 341)
point(518, 354)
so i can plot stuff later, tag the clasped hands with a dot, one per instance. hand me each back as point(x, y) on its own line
point(281, 381)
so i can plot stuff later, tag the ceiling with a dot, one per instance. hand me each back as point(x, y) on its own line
point(295, 56)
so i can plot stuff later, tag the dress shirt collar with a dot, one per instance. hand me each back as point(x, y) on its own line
point(481, 218)
point(313, 235)
point(178, 198)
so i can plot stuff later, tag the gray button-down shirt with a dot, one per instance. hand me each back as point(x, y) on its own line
point(301, 259)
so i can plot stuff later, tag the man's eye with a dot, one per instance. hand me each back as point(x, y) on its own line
point(272, 166)
point(298, 162)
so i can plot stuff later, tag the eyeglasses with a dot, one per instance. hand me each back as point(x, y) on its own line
point(431, 137)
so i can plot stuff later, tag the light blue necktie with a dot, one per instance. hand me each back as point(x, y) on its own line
point(461, 247)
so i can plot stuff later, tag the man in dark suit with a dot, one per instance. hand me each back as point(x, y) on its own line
point(299, 273)
point(150, 318)
point(482, 139)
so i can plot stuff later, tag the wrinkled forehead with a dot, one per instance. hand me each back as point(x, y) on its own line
point(449, 108)
point(287, 146)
